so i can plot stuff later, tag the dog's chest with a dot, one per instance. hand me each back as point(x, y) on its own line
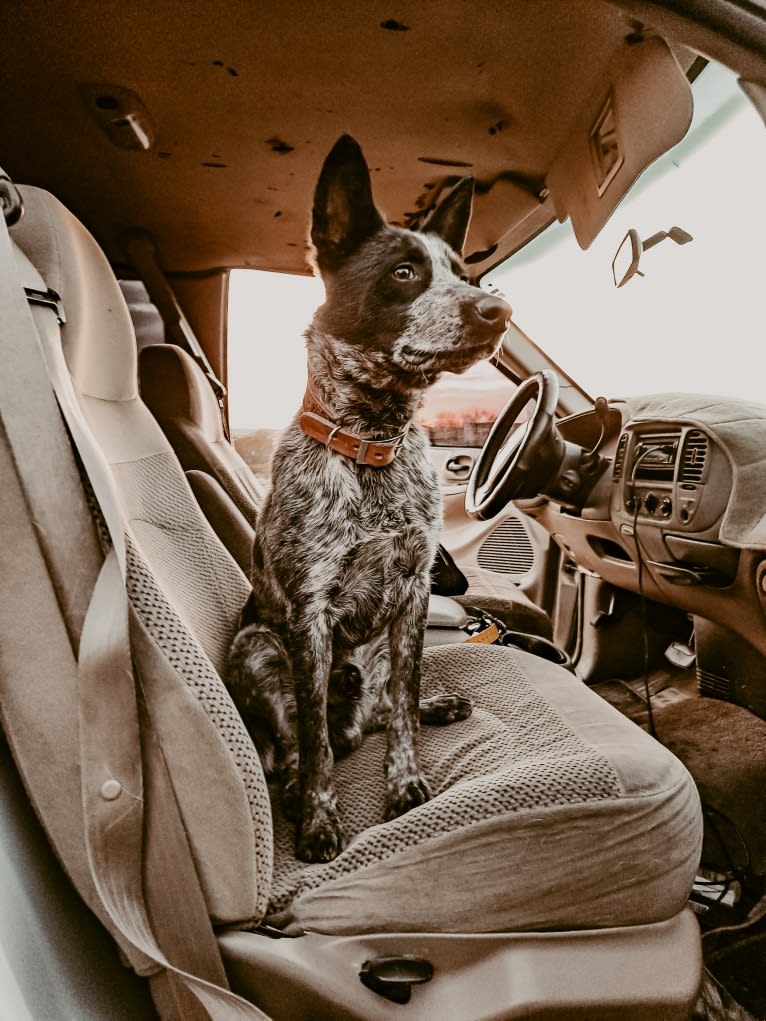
point(403, 496)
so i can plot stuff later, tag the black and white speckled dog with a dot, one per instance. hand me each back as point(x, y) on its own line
point(333, 635)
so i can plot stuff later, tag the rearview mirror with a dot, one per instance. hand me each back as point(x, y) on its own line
point(626, 261)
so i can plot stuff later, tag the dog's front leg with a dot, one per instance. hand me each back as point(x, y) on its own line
point(320, 835)
point(406, 786)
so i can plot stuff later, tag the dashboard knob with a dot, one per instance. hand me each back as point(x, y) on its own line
point(666, 507)
point(650, 503)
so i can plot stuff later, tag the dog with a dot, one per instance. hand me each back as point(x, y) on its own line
point(332, 636)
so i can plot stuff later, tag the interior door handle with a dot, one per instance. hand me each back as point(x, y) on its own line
point(459, 466)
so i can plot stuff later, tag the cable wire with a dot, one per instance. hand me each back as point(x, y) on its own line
point(640, 579)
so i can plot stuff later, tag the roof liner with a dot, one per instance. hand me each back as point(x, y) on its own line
point(245, 101)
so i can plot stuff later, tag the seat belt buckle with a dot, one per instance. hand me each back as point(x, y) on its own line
point(49, 299)
point(484, 630)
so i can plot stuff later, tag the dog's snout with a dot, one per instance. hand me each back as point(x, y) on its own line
point(495, 311)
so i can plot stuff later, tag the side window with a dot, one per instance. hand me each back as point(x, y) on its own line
point(458, 411)
point(268, 313)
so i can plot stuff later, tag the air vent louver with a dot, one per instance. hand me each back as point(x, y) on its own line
point(619, 457)
point(694, 457)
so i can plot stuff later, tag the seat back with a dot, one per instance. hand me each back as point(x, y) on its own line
point(174, 388)
point(182, 582)
point(176, 391)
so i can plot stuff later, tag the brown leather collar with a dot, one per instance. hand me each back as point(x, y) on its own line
point(315, 423)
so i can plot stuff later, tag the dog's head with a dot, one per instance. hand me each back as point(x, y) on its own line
point(401, 298)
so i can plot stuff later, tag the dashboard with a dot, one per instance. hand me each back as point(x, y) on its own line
point(679, 511)
point(671, 486)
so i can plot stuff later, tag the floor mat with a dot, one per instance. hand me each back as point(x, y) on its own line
point(630, 696)
point(717, 1004)
point(724, 748)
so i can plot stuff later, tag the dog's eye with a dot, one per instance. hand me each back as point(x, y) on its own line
point(404, 271)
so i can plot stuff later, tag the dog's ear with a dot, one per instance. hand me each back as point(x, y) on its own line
point(451, 217)
point(344, 212)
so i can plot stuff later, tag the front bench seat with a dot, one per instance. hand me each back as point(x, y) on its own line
point(559, 830)
point(176, 391)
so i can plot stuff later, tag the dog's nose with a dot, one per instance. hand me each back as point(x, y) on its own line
point(495, 311)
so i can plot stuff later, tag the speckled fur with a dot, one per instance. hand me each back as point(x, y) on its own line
point(342, 555)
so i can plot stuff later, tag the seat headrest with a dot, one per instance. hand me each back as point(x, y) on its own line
point(98, 340)
point(173, 386)
point(147, 321)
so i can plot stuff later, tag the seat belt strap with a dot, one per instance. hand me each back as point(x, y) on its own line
point(113, 799)
point(111, 764)
point(142, 252)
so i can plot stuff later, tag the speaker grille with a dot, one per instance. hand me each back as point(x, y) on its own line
point(507, 549)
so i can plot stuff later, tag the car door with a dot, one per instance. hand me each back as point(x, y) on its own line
point(458, 413)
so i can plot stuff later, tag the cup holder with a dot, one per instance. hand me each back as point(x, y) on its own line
point(538, 646)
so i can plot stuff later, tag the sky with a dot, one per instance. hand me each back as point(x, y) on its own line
point(268, 313)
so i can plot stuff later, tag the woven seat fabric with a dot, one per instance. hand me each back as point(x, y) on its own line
point(563, 811)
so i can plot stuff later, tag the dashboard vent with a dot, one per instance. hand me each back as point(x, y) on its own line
point(619, 457)
point(507, 549)
point(694, 457)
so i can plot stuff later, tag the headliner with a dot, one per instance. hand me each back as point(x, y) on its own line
point(246, 99)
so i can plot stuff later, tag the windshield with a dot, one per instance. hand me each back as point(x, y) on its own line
point(694, 321)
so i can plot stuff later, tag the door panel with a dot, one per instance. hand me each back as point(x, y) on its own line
point(511, 545)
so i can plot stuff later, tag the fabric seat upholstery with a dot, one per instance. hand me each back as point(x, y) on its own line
point(542, 793)
point(551, 810)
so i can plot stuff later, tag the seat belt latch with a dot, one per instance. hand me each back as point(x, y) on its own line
point(50, 299)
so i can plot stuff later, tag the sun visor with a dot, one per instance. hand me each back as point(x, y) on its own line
point(495, 206)
point(642, 108)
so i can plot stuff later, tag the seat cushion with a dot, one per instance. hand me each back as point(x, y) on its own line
point(552, 811)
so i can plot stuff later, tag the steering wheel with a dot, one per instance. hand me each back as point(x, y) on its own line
point(521, 454)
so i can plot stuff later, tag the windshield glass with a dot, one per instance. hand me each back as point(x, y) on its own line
point(694, 320)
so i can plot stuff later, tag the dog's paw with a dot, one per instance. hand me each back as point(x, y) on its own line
point(415, 792)
point(321, 837)
point(439, 710)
